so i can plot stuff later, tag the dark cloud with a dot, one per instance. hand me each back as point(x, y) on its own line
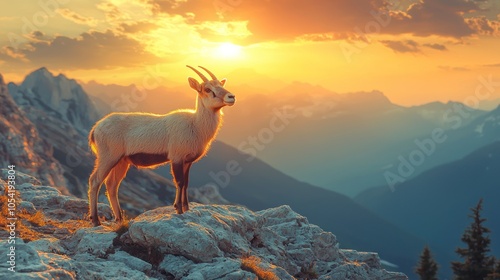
point(75, 17)
point(280, 19)
point(434, 17)
point(483, 26)
point(135, 27)
point(441, 17)
point(438, 47)
point(289, 19)
point(492, 65)
point(37, 34)
point(454, 68)
point(408, 46)
point(93, 50)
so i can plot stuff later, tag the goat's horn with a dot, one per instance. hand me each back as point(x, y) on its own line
point(199, 73)
point(209, 73)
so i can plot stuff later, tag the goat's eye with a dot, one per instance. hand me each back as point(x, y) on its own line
point(207, 90)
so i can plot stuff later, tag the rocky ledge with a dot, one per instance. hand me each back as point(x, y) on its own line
point(207, 242)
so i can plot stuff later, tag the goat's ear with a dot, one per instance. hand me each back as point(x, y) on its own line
point(193, 83)
point(223, 81)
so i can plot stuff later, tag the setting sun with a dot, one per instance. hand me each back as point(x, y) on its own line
point(228, 50)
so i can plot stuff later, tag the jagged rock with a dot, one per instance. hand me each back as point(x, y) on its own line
point(105, 269)
point(26, 206)
point(21, 145)
point(131, 261)
point(207, 242)
point(26, 258)
point(95, 241)
point(283, 241)
point(48, 245)
point(178, 266)
point(174, 236)
point(54, 204)
point(370, 258)
point(58, 95)
point(220, 268)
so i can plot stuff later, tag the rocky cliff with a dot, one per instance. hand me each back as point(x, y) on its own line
point(208, 242)
point(58, 96)
point(21, 145)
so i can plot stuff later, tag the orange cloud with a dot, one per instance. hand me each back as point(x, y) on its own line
point(290, 19)
point(76, 18)
point(91, 50)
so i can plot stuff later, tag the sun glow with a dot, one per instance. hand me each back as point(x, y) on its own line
point(228, 50)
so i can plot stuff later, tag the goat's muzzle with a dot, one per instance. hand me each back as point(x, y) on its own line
point(229, 99)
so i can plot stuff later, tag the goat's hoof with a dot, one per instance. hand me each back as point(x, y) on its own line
point(185, 208)
point(96, 222)
point(178, 209)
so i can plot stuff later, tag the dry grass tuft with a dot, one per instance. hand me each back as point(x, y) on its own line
point(24, 220)
point(252, 264)
point(31, 227)
point(122, 227)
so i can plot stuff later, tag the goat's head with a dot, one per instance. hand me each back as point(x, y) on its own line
point(211, 92)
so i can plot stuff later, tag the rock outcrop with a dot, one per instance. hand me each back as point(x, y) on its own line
point(207, 242)
point(21, 145)
point(57, 96)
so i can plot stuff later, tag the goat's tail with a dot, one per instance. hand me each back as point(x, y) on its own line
point(92, 144)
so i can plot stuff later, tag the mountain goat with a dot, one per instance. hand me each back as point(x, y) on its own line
point(147, 140)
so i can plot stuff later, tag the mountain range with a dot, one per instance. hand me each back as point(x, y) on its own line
point(341, 142)
point(434, 204)
point(344, 143)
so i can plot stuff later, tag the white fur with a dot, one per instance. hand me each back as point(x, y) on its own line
point(183, 135)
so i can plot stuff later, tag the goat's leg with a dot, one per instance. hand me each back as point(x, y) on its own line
point(178, 175)
point(113, 181)
point(184, 195)
point(100, 172)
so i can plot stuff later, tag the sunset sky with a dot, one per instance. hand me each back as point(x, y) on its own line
point(413, 51)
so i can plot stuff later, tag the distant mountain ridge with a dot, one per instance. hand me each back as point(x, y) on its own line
point(20, 143)
point(435, 204)
point(58, 96)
